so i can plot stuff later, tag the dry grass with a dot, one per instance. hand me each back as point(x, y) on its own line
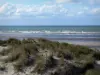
point(29, 52)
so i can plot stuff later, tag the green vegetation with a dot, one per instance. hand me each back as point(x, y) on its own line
point(93, 72)
point(45, 55)
point(2, 42)
point(97, 55)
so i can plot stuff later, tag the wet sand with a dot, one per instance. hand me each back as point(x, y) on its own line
point(90, 44)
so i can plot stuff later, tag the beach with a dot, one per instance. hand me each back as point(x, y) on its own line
point(41, 56)
point(79, 35)
point(90, 44)
point(33, 50)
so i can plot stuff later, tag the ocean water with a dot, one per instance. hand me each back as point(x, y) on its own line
point(85, 33)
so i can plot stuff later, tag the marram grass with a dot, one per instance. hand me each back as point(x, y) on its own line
point(48, 57)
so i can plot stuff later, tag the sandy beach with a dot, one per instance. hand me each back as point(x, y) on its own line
point(90, 44)
point(84, 43)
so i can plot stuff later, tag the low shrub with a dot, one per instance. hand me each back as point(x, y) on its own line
point(29, 52)
point(97, 55)
point(93, 72)
point(13, 41)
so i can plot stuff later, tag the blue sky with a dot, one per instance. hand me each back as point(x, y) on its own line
point(49, 12)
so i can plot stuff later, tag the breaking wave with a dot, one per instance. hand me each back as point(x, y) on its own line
point(52, 32)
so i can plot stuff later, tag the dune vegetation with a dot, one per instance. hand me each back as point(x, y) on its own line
point(44, 57)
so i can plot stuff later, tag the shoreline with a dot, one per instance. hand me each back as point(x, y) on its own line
point(89, 42)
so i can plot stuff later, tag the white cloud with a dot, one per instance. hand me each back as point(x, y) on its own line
point(79, 1)
point(31, 10)
point(3, 7)
point(95, 11)
point(94, 1)
point(7, 9)
point(63, 1)
point(41, 11)
point(80, 12)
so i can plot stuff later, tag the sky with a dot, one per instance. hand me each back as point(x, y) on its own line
point(49, 12)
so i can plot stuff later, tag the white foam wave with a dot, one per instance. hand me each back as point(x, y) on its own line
point(52, 32)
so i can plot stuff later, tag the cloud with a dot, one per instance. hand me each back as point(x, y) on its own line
point(94, 2)
point(9, 10)
point(2, 8)
point(95, 11)
point(63, 1)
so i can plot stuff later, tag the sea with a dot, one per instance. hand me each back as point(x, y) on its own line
point(70, 34)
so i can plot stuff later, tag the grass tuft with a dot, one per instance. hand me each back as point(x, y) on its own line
point(44, 54)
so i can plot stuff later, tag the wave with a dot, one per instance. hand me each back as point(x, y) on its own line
point(52, 32)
